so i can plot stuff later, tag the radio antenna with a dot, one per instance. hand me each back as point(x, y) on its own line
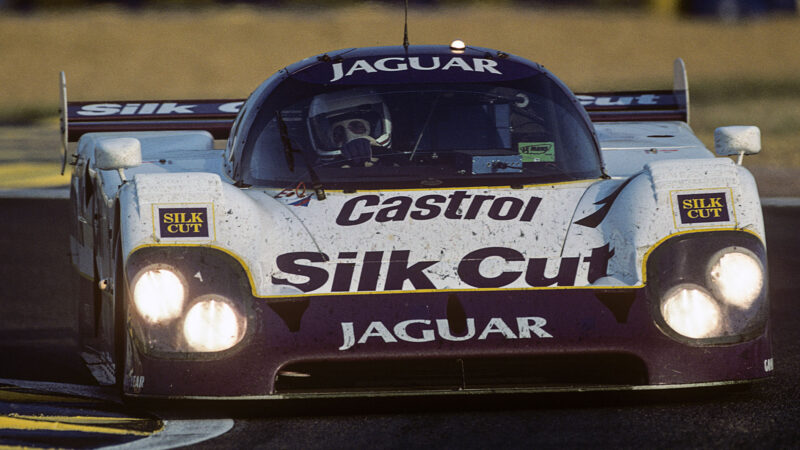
point(405, 28)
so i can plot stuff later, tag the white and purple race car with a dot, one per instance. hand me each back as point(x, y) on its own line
point(414, 220)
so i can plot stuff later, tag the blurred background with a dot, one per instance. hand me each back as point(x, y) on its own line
point(741, 55)
point(723, 9)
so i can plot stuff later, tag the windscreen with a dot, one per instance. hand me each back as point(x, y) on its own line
point(405, 136)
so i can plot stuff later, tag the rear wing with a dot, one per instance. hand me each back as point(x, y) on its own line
point(217, 116)
point(79, 118)
point(214, 116)
point(648, 106)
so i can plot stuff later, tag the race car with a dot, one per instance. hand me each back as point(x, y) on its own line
point(414, 220)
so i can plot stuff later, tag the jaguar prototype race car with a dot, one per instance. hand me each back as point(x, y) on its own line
point(414, 220)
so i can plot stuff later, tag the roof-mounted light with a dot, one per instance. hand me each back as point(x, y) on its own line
point(458, 46)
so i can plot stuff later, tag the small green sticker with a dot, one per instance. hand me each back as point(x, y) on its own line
point(537, 151)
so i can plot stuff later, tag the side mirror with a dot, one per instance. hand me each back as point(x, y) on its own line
point(117, 154)
point(738, 140)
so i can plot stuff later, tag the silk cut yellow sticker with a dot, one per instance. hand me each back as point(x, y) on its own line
point(537, 151)
point(703, 208)
point(184, 221)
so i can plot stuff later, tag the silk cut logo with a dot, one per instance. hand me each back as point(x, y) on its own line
point(183, 222)
point(703, 208)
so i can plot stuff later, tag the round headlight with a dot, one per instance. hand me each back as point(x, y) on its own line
point(691, 312)
point(158, 294)
point(737, 277)
point(212, 325)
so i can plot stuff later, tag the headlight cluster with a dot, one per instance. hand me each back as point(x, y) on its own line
point(175, 313)
point(709, 287)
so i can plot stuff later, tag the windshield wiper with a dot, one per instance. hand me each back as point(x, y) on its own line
point(287, 142)
point(424, 126)
point(289, 151)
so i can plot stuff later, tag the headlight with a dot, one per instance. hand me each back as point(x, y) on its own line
point(213, 325)
point(691, 312)
point(737, 277)
point(158, 294)
point(710, 287)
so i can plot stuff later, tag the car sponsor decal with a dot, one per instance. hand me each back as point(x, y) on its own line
point(430, 68)
point(425, 330)
point(537, 151)
point(621, 99)
point(110, 109)
point(296, 196)
point(459, 205)
point(709, 207)
point(485, 268)
point(417, 63)
point(183, 222)
point(697, 208)
point(303, 201)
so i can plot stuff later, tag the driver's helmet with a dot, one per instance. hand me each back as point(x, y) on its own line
point(339, 118)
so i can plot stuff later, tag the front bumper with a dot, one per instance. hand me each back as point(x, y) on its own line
point(449, 342)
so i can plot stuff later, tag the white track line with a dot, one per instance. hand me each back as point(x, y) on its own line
point(176, 433)
point(180, 433)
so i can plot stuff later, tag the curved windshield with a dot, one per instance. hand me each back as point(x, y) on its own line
point(392, 136)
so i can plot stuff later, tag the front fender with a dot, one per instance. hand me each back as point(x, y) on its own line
point(666, 199)
point(200, 210)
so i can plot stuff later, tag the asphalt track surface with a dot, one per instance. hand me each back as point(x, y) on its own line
point(37, 343)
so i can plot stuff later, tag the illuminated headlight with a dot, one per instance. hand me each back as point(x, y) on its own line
point(213, 325)
point(692, 312)
point(158, 294)
point(738, 277)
